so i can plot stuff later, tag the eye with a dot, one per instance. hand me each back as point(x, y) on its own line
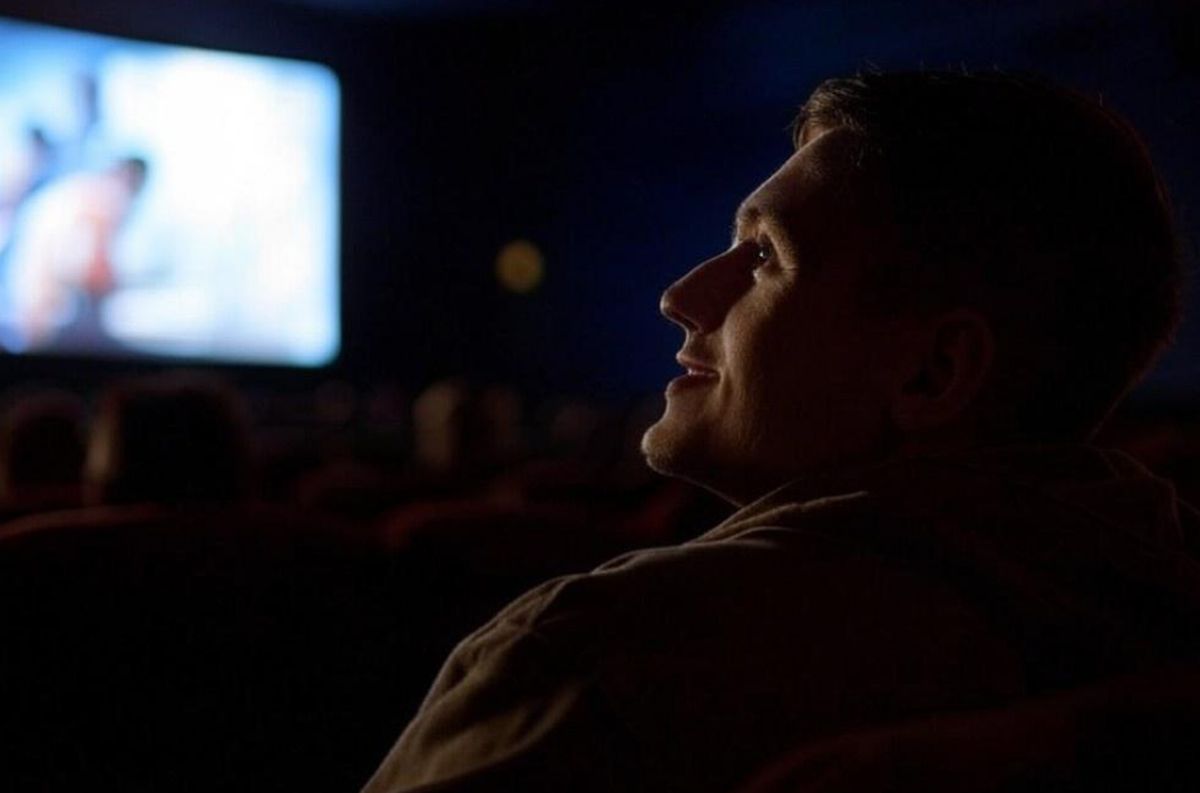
point(763, 253)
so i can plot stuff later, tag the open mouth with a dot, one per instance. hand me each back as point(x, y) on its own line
point(695, 367)
point(695, 374)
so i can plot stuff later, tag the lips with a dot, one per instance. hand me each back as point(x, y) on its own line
point(698, 375)
point(695, 367)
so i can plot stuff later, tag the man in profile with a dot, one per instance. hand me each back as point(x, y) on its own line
point(894, 370)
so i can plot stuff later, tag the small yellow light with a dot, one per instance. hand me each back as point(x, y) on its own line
point(520, 266)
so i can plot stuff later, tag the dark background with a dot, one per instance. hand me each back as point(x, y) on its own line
point(619, 137)
point(258, 653)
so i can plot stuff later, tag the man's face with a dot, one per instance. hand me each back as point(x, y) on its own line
point(785, 373)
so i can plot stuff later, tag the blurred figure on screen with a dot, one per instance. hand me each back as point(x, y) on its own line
point(26, 173)
point(63, 261)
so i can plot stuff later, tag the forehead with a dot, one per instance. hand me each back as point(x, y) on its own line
point(816, 191)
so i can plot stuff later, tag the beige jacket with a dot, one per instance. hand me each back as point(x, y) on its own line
point(864, 598)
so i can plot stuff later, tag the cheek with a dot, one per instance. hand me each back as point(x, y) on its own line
point(773, 374)
point(760, 333)
point(781, 344)
point(815, 372)
point(858, 384)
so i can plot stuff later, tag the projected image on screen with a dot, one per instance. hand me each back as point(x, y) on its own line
point(165, 201)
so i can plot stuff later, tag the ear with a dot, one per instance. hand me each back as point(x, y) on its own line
point(951, 365)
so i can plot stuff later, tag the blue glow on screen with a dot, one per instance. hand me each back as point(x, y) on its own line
point(166, 201)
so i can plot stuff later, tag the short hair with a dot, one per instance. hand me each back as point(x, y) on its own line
point(41, 442)
point(173, 438)
point(1033, 204)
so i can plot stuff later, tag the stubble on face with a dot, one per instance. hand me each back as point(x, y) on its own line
point(784, 345)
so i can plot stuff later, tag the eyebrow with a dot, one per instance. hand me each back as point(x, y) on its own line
point(746, 215)
point(755, 215)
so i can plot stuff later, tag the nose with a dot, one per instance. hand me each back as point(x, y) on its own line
point(699, 301)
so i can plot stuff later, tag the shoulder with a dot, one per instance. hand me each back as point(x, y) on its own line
point(743, 639)
point(801, 567)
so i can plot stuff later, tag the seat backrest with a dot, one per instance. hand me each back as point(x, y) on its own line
point(1131, 734)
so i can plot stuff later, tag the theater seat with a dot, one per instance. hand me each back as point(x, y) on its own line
point(204, 648)
point(1133, 735)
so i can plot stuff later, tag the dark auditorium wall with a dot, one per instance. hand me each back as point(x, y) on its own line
point(619, 137)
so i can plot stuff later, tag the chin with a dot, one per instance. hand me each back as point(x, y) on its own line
point(670, 448)
point(681, 455)
point(658, 449)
